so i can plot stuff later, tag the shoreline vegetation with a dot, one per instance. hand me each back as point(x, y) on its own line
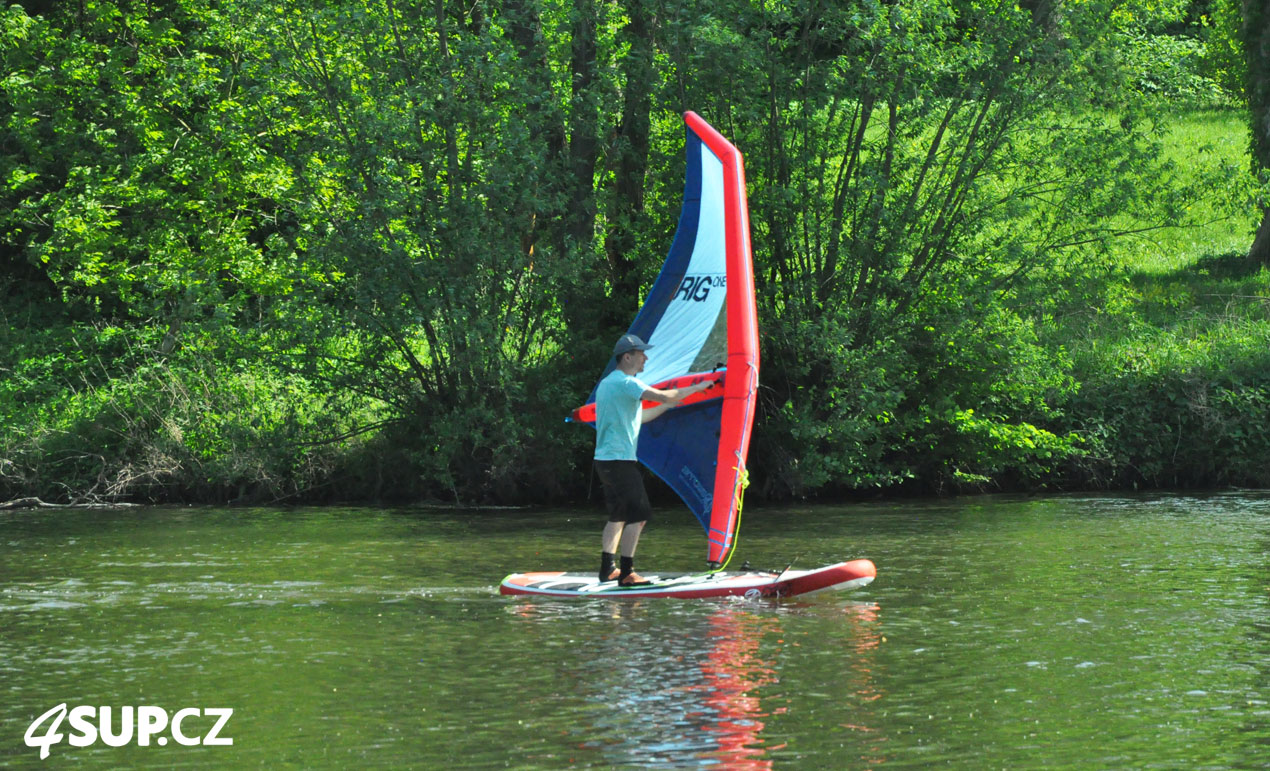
point(256, 252)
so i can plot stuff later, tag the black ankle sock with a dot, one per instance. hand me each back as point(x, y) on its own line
point(606, 564)
point(628, 567)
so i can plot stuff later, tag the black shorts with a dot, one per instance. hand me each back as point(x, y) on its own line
point(624, 493)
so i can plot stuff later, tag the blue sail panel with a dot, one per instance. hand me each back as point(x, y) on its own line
point(680, 449)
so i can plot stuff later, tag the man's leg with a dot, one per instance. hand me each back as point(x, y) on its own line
point(630, 539)
point(608, 549)
point(612, 536)
point(629, 510)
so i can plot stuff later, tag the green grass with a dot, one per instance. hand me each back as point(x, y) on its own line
point(1189, 281)
point(1210, 148)
point(1172, 353)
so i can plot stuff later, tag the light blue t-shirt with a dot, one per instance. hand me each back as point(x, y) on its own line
point(618, 415)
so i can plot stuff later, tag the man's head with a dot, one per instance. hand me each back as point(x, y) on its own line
point(629, 344)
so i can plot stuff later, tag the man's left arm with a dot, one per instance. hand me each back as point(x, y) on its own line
point(670, 398)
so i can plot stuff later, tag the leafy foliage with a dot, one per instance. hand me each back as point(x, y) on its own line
point(379, 249)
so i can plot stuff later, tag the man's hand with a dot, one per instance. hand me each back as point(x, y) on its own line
point(670, 398)
point(673, 396)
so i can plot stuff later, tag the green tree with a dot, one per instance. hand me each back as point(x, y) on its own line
point(130, 183)
point(1223, 59)
point(446, 195)
point(137, 209)
point(432, 217)
point(916, 171)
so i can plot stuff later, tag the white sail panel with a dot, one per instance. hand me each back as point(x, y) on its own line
point(700, 297)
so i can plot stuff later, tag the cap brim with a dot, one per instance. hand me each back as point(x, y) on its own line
point(644, 347)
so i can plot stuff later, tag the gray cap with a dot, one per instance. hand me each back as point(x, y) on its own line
point(629, 342)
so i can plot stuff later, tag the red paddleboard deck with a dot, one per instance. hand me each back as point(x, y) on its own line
point(841, 576)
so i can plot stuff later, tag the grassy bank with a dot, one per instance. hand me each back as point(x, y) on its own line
point(1173, 360)
point(1175, 379)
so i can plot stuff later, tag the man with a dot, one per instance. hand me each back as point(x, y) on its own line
point(619, 412)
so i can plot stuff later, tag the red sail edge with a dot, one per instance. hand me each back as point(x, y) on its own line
point(740, 389)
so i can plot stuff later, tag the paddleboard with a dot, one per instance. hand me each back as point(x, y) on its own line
point(749, 583)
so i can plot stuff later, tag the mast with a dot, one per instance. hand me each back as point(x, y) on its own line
point(741, 385)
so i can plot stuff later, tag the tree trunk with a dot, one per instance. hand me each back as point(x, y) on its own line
point(581, 157)
point(1255, 32)
point(545, 125)
point(583, 143)
point(631, 146)
point(1260, 252)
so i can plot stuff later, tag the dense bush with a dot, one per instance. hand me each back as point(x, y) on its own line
point(1169, 422)
point(308, 250)
point(1176, 394)
point(90, 412)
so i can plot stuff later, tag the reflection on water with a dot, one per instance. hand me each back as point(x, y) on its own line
point(699, 691)
point(1069, 632)
point(866, 636)
point(731, 674)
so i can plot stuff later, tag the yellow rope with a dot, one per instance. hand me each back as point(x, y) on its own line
point(740, 501)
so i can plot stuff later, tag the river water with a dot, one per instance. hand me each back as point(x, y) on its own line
point(1001, 632)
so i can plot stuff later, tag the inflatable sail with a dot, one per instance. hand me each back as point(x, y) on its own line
point(700, 319)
